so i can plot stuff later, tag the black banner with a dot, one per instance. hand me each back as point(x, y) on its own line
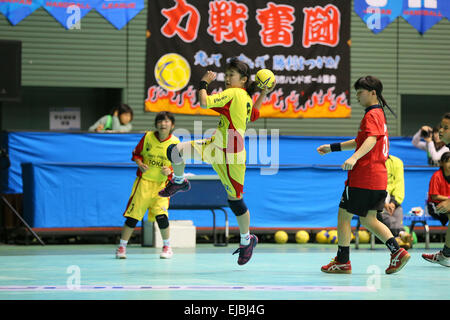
point(305, 43)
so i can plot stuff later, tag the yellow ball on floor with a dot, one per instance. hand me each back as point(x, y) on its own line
point(322, 237)
point(332, 236)
point(302, 236)
point(281, 236)
point(364, 236)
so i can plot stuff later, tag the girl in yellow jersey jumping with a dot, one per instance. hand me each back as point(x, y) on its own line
point(225, 150)
point(153, 171)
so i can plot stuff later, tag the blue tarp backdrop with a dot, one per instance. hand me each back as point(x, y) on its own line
point(85, 179)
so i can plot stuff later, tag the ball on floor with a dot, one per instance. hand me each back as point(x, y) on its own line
point(302, 236)
point(281, 236)
point(322, 237)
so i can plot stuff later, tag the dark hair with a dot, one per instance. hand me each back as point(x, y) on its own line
point(445, 157)
point(446, 116)
point(372, 83)
point(164, 115)
point(244, 70)
point(123, 108)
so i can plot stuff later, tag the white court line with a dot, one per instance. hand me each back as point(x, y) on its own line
point(192, 288)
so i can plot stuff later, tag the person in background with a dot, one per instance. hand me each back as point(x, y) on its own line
point(439, 192)
point(392, 215)
point(154, 169)
point(431, 143)
point(119, 120)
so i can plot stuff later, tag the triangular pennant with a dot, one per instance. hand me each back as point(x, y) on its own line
point(19, 10)
point(69, 13)
point(422, 15)
point(378, 14)
point(119, 13)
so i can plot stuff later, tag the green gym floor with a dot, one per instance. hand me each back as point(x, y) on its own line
point(276, 272)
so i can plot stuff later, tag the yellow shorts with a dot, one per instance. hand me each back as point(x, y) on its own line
point(144, 195)
point(229, 167)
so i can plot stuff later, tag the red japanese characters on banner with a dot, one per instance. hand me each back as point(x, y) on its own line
point(305, 43)
point(227, 21)
point(321, 26)
point(276, 25)
point(175, 15)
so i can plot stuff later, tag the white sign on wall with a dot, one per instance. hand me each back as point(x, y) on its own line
point(65, 119)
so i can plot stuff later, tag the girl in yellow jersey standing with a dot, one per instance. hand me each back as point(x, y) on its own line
point(225, 150)
point(153, 171)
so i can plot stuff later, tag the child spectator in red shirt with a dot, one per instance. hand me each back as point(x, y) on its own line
point(439, 193)
point(439, 189)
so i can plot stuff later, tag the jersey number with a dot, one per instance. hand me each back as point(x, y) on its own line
point(385, 143)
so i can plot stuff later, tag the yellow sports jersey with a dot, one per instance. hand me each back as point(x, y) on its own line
point(153, 153)
point(236, 109)
point(396, 181)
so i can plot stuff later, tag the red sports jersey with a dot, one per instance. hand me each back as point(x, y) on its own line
point(370, 171)
point(438, 186)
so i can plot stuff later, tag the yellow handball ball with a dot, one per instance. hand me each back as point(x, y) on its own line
point(264, 77)
point(332, 236)
point(302, 236)
point(281, 236)
point(322, 237)
point(172, 72)
point(364, 236)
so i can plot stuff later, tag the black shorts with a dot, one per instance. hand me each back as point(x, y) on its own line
point(359, 201)
point(442, 217)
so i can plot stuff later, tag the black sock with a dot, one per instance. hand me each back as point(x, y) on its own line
point(446, 251)
point(343, 254)
point(392, 245)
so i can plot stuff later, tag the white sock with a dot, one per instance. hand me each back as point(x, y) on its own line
point(166, 243)
point(123, 243)
point(245, 239)
point(178, 179)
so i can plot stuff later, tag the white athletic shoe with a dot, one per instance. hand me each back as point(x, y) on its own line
point(121, 253)
point(166, 253)
point(437, 258)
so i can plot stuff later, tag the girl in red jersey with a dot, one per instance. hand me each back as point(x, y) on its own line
point(365, 188)
point(439, 192)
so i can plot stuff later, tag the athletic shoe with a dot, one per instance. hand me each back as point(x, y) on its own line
point(166, 253)
point(336, 267)
point(245, 252)
point(437, 258)
point(172, 188)
point(121, 253)
point(398, 260)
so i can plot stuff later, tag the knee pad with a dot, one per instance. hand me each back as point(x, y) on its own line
point(238, 207)
point(173, 154)
point(130, 222)
point(163, 221)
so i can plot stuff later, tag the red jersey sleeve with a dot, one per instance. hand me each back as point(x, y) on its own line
point(255, 114)
point(138, 149)
point(435, 184)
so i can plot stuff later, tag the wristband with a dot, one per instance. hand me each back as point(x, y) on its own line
point(335, 147)
point(203, 85)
